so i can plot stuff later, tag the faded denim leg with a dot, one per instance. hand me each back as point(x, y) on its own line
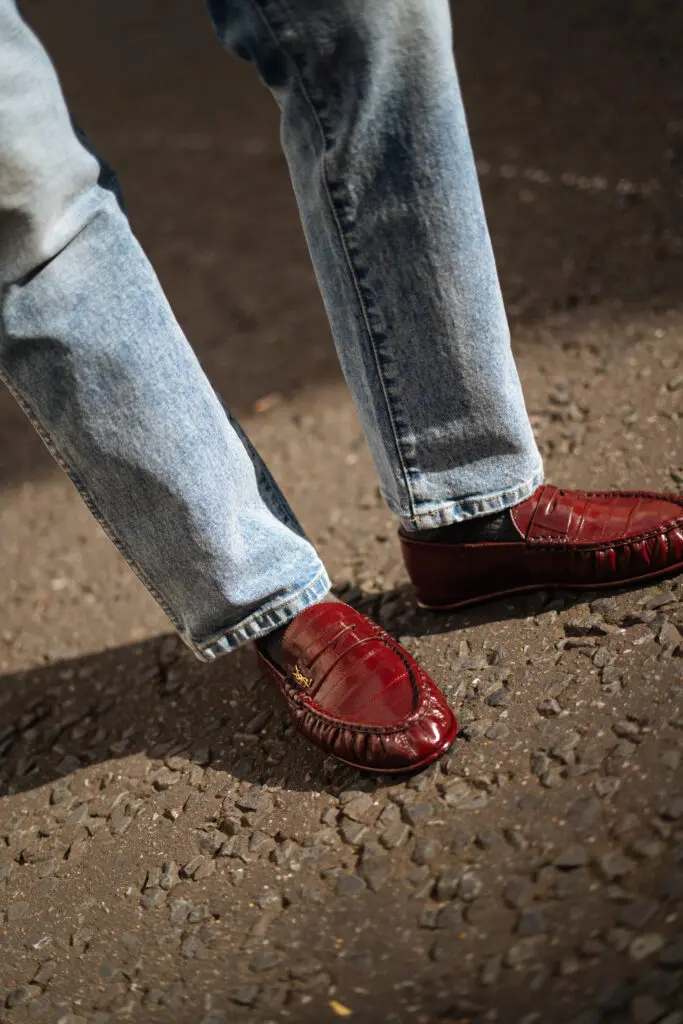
point(375, 135)
point(91, 350)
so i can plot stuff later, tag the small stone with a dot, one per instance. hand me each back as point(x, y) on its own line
point(672, 954)
point(350, 885)
point(551, 779)
point(500, 698)
point(648, 849)
point(269, 901)
point(518, 892)
point(20, 996)
point(305, 969)
point(591, 625)
point(626, 730)
point(532, 921)
point(211, 841)
point(329, 816)
point(491, 970)
point(497, 731)
point(659, 600)
point(673, 810)
point(470, 886)
point(447, 884)
point(153, 898)
point(519, 953)
point(192, 948)
point(568, 965)
point(394, 836)
point(449, 916)
point(260, 843)
point(352, 832)
point(668, 635)
point(564, 751)
point(204, 870)
point(45, 973)
point(639, 618)
point(619, 938)
point(311, 895)
point(390, 815)
point(272, 997)
point(417, 814)
point(592, 948)
point(613, 866)
point(164, 779)
point(607, 786)
point(573, 857)
point(549, 708)
point(266, 961)
point(198, 913)
point(180, 910)
point(516, 838)
point(358, 808)
point(671, 759)
point(426, 851)
point(375, 871)
point(646, 1009)
point(245, 995)
point(427, 917)
point(638, 913)
point(255, 800)
point(645, 945)
point(587, 1017)
point(540, 763)
point(169, 877)
point(577, 643)
point(16, 911)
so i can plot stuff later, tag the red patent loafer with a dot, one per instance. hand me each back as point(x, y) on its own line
point(357, 694)
point(567, 539)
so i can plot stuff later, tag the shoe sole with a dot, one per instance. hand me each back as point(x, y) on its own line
point(670, 570)
point(448, 743)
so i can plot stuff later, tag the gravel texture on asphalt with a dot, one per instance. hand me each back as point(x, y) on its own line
point(170, 850)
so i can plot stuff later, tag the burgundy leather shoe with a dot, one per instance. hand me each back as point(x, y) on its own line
point(567, 539)
point(357, 694)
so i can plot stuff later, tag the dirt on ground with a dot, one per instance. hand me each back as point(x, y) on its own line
point(170, 851)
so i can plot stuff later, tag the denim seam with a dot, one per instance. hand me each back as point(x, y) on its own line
point(88, 500)
point(374, 336)
point(318, 587)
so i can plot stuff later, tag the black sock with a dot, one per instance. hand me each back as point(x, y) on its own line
point(271, 643)
point(484, 529)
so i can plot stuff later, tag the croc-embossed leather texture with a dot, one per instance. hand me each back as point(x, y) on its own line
point(354, 692)
point(567, 539)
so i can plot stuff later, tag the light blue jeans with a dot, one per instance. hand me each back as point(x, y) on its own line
point(375, 135)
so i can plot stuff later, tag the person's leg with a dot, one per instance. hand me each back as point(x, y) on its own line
point(376, 139)
point(375, 135)
point(90, 348)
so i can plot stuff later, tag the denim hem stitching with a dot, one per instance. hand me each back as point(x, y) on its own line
point(264, 621)
point(474, 507)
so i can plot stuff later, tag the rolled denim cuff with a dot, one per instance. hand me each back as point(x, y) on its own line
point(265, 620)
point(473, 507)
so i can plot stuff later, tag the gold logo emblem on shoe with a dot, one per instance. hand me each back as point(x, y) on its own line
point(299, 677)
